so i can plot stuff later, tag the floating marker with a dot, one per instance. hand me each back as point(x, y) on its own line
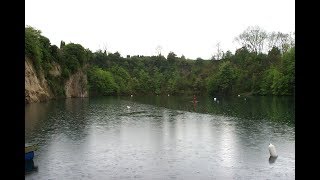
point(214, 99)
point(238, 95)
point(131, 95)
point(272, 150)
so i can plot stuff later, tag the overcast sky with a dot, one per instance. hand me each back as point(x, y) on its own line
point(137, 27)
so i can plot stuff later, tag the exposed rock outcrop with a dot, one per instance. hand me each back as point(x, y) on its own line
point(77, 84)
point(38, 90)
point(55, 70)
point(36, 86)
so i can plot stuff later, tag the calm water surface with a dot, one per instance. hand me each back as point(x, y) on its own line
point(162, 138)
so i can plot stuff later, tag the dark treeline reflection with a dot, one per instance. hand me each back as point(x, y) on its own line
point(162, 137)
point(277, 109)
point(44, 118)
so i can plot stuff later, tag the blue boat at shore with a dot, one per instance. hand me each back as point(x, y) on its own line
point(29, 151)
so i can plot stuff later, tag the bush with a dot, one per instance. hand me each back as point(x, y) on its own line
point(102, 82)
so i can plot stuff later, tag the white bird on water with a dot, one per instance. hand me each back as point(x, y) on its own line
point(128, 107)
point(214, 99)
point(272, 150)
point(238, 95)
point(131, 95)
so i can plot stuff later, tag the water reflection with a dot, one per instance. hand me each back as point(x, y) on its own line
point(162, 138)
point(29, 166)
point(35, 113)
point(76, 113)
point(272, 159)
point(277, 109)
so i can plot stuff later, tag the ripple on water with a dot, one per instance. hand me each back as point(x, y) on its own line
point(104, 140)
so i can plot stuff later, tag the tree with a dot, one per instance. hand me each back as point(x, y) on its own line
point(33, 46)
point(280, 40)
point(219, 53)
point(171, 56)
point(274, 56)
point(183, 57)
point(158, 49)
point(158, 81)
point(105, 48)
point(241, 57)
point(172, 85)
point(223, 81)
point(122, 79)
point(54, 50)
point(62, 44)
point(74, 56)
point(249, 69)
point(253, 38)
point(101, 82)
point(144, 80)
point(227, 55)
point(288, 69)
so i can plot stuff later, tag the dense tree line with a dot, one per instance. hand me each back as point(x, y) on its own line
point(264, 65)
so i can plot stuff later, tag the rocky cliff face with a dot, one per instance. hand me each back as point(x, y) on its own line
point(36, 86)
point(56, 70)
point(76, 86)
point(38, 90)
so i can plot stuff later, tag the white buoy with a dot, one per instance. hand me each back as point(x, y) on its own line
point(238, 95)
point(272, 150)
point(168, 94)
point(214, 99)
point(131, 95)
point(128, 107)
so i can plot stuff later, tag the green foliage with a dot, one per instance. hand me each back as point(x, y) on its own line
point(171, 57)
point(274, 56)
point(56, 85)
point(242, 72)
point(62, 44)
point(70, 57)
point(248, 70)
point(224, 80)
point(33, 46)
point(145, 82)
point(74, 56)
point(122, 79)
point(288, 68)
point(101, 82)
point(158, 81)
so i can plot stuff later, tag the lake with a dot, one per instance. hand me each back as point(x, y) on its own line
point(162, 137)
